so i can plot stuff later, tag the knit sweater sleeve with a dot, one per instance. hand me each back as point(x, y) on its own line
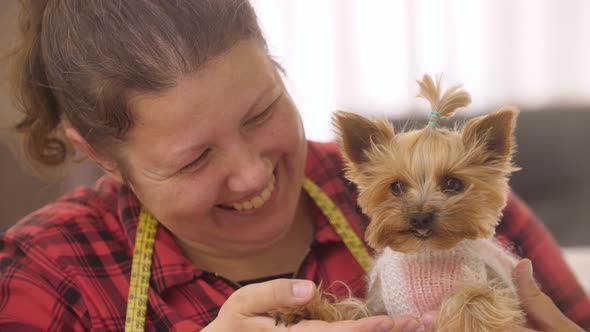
point(498, 260)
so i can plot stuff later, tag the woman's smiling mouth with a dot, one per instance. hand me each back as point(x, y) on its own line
point(254, 202)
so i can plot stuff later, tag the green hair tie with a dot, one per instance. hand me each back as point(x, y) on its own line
point(434, 118)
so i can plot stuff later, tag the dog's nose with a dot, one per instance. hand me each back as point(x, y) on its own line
point(421, 220)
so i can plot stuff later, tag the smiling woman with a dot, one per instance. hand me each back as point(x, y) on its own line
point(183, 109)
point(220, 157)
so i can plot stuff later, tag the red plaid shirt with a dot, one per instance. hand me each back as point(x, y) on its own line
point(67, 266)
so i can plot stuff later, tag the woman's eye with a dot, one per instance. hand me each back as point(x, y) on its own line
point(264, 115)
point(452, 185)
point(398, 188)
point(197, 162)
point(261, 116)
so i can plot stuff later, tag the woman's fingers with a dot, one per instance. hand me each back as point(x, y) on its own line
point(522, 329)
point(429, 320)
point(540, 309)
point(369, 324)
point(249, 304)
point(406, 324)
point(257, 299)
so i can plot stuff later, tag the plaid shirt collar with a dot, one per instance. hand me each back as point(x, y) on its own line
point(171, 268)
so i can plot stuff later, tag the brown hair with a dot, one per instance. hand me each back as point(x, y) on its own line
point(82, 61)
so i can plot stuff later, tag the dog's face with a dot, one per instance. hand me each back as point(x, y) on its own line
point(429, 188)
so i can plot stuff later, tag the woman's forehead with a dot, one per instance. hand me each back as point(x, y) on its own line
point(206, 101)
point(243, 70)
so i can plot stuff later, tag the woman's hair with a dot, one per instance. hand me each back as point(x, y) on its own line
point(80, 62)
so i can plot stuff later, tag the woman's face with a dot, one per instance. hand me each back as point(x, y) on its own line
point(219, 158)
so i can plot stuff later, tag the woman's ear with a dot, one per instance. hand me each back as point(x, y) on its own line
point(108, 165)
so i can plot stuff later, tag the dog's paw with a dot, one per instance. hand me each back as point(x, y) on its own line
point(289, 316)
point(321, 308)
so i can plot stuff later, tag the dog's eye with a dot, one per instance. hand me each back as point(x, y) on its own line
point(398, 188)
point(452, 185)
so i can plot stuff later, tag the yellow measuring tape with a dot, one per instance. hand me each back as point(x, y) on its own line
point(144, 246)
point(141, 269)
point(332, 212)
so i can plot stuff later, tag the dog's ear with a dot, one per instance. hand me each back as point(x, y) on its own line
point(495, 131)
point(356, 134)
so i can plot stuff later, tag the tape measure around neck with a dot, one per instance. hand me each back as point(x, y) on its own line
point(146, 234)
point(354, 244)
point(147, 227)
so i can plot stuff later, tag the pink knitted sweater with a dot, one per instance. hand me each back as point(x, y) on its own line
point(418, 282)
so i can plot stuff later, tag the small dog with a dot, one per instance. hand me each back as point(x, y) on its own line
point(434, 197)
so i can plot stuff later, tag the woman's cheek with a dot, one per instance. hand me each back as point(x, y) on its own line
point(195, 195)
point(287, 129)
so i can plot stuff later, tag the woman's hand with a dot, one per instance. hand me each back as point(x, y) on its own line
point(541, 312)
point(245, 311)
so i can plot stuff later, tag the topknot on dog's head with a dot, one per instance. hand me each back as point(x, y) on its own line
point(445, 105)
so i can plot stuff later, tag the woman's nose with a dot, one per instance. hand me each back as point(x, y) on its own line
point(249, 172)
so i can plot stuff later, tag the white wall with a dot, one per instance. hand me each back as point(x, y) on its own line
point(365, 55)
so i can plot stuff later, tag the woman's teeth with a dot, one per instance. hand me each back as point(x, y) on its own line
point(257, 201)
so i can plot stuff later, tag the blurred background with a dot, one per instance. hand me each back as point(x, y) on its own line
point(365, 56)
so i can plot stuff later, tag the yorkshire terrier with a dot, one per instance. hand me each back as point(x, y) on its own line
point(434, 197)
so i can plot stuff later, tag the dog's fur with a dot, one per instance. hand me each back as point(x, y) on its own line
point(423, 161)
